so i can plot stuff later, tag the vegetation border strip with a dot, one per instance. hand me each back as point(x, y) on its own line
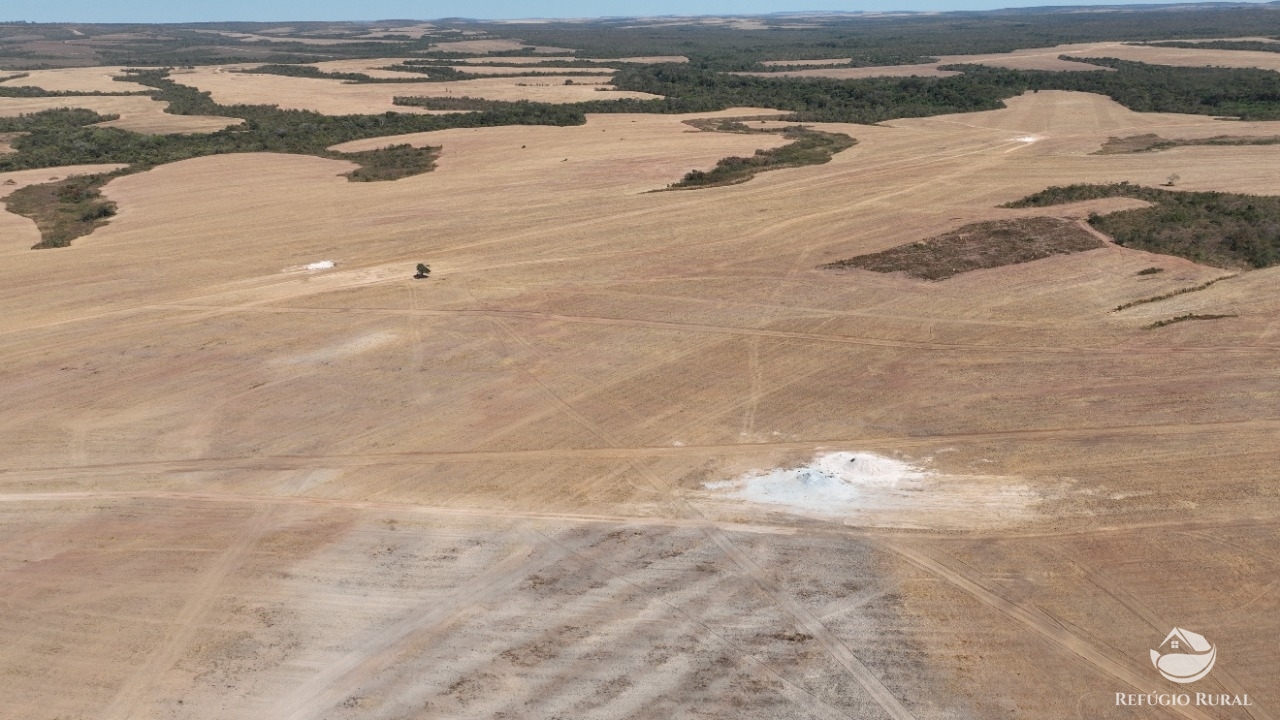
point(1175, 293)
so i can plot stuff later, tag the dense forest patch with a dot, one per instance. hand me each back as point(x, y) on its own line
point(391, 163)
point(425, 74)
point(894, 40)
point(732, 125)
point(29, 91)
point(64, 210)
point(990, 244)
point(807, 147)
point(1225, 230)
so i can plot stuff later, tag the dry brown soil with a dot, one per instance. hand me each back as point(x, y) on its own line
point(85, 79)
point(231, 488)
point(1050, 59)
point(7, 139)
point(336, 97)
point(494, 45)
point(645, 59)
point(138, 113)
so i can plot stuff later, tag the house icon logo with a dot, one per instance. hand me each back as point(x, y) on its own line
point(1184, 656)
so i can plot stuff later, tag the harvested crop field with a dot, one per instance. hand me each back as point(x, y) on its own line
point(416, 30)
point(86, 79)
point(494, 45)
point(336, 97)
point(254, 38)
point(647, 60)
point(138, 113)
point(375, 68)
point(1048, 59)
point(574, 472)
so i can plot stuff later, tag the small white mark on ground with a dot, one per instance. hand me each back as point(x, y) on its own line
point(862, 488)
point(828, 483)
point(350, 348)
point(311, 267)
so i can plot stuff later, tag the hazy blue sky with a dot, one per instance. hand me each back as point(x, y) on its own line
point(272, 10)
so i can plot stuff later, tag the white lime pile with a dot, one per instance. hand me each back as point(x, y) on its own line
point(829, 483)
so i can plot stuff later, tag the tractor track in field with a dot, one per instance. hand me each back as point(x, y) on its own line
point(293, 462)
point(737, 330)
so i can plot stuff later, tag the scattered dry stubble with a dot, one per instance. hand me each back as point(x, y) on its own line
point(348, 493)
point(1046, 59)
point(494, 45)
point(138, 113)
point(647, 59)
point(335, 97)
point(83, 79)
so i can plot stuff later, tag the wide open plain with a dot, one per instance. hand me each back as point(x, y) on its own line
point(1044, 59)
point(234, 488)
point(336, 97)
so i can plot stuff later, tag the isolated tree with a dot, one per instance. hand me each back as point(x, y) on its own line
point(1173, 179)
point(423, 271)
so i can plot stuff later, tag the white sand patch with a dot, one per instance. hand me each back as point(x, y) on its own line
point(1028, 139)
point(832, 483)
point(350, 348)
point(860, 488)
point(311, 267)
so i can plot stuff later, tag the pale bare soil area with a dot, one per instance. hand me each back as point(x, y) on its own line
point(368, 66)
point(647, 59)
point(300, 38)
point(85, 79)
point(489, 45)
point(414, 31)
point(138, 113)
point(1048, 59)
point(598, 75)
point(234, 488)
point(6, 141)
point(336, 97)
point(374, 68)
